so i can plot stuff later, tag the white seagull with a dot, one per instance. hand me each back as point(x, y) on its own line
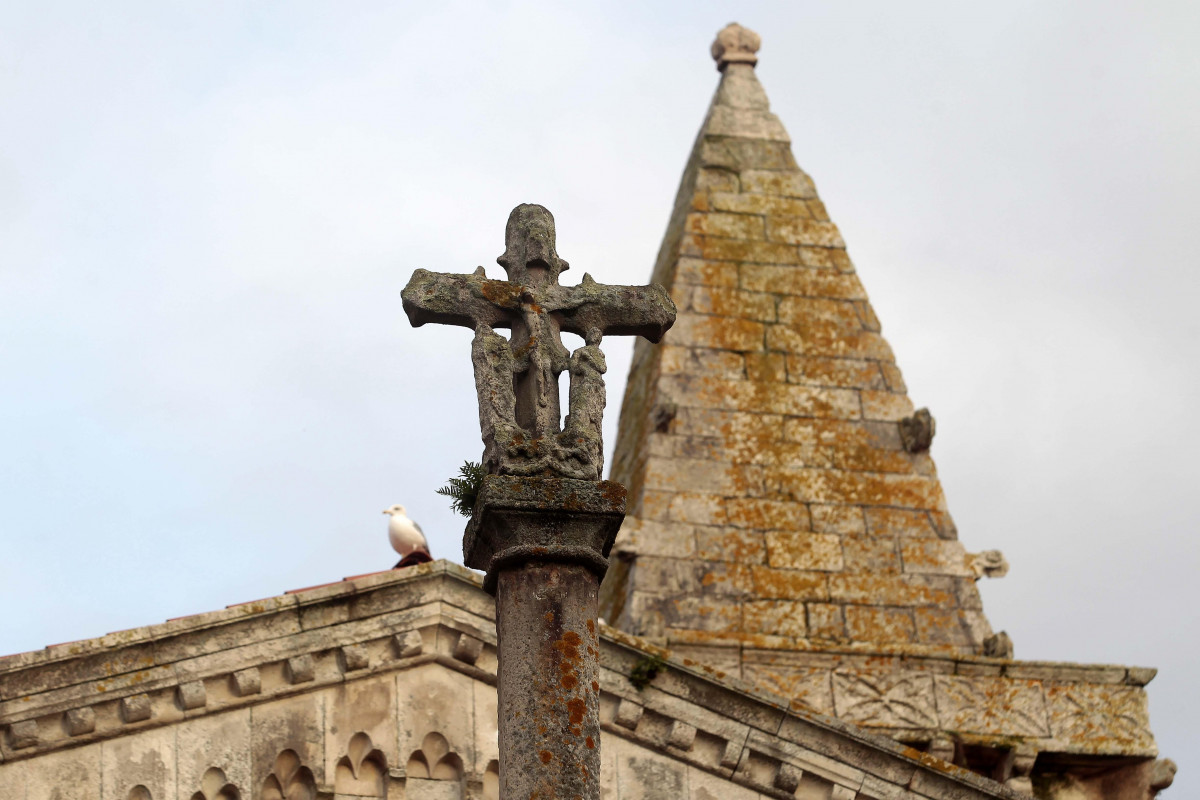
point(405, 535)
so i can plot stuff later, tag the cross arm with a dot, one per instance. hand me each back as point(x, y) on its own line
point(617, 310)
point(465, 300)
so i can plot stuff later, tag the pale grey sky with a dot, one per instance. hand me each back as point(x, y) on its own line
point(207, 212)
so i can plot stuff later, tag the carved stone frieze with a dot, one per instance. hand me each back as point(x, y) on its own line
point(991, 705)
point(885, 700)
point(1078, 710)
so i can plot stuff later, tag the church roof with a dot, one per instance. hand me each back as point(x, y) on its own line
point(374, 640)
point(763, 443)
point(786, 521)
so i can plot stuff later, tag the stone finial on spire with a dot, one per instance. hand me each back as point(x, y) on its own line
point(735, 45)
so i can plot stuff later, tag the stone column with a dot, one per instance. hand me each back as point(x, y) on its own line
point(544, 543)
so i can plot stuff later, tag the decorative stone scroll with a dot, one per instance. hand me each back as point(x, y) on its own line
point(517, 378)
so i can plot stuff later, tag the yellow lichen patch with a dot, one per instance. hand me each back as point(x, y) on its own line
point(788, 584)
point(777, 617)
point(807, 551)
point(880, 624)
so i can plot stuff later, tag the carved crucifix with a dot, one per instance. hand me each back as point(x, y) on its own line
point(517, 378)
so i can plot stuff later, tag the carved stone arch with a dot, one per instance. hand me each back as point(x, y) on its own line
point(491, 781)
point(289, 780)
point(215, 786)
point(140, 792)
point(362, 772)
point(435, 760)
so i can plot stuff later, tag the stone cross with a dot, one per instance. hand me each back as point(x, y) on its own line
point(517, 378)
point(544, 522)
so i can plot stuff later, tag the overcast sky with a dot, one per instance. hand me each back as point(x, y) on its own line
point(208, 211)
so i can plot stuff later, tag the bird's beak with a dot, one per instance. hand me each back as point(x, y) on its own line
point(385, 512)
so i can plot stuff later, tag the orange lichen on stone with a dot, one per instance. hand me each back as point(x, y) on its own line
point(773, 507)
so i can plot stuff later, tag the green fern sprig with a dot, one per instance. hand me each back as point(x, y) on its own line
point(463, 490)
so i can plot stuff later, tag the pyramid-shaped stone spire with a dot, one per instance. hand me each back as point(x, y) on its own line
point(777, 497)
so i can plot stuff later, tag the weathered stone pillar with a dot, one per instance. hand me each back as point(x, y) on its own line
point(544, 543)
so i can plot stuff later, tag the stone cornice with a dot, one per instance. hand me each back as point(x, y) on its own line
point(438, 613)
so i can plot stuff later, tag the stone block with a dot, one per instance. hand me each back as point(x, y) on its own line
point(215, 740)
point(834, 487)
point(886, 590)
point(887, 406)
point(805, 231)
point(991, 706)
point(722, 544)
point(712, 248)
point(682, 735)
point(681, 474)
point(698, 272)
point(941, 626)
point(644, 775)
point(757, 513)
point(23, 734)
point(776, 617)
point(759, 427)
point(820, 338)
point(837, 519)
point(666, 539)
point(717, 179)
point(867, 315)
point(820, 314)
point(848, 373)
point(73, 774)
point(899, 522)
point(742, 123)
point(299, 669)
point(726, 578)
point(923, 556)
point(1139, 676)
point(826, 621)
point(354, 657)
point(408, 644)
point(135, 708)
point(425, 692)
point(800, 281)
point(725, 302)
point(487, 737)
point(821, 257)
point(766, 397)
point(885, 699)
point(665, 575)
point(708, 613)
point(246, 682)
point(788, 584)
point(79, 721)
point(738, 153)
point(147, 757)
point(880, 624)
point(806, 551)
point(720, 333)
point(696, 508)
point(699, 361)
point(467, 649)
point(893, 378)
point(770, 367)
point(817, 209)
point(1065, 672)
point(787, 778)
point(629, 713)
point(363, 708)
point(191, 695)
point(759, 204)
point(730, 226)
point(785, 183)
point(875, 554)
